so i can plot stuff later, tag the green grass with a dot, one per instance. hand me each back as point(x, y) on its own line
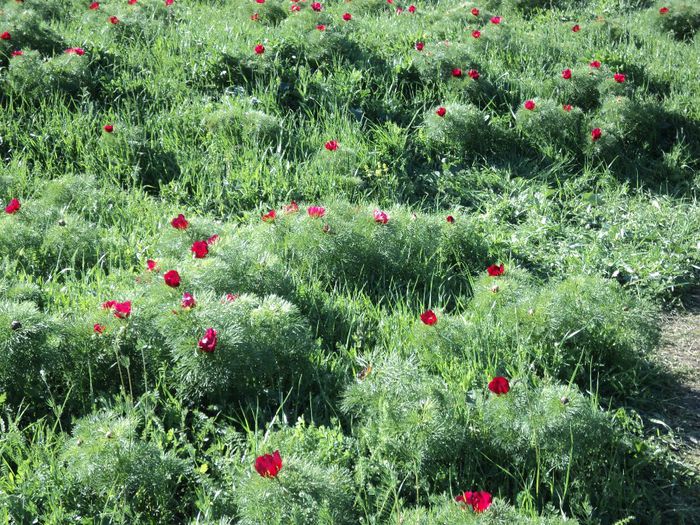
point(321, 355)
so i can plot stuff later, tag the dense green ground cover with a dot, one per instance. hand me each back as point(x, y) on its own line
point(561, 139)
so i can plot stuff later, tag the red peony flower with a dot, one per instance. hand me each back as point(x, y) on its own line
point(576, 28)
point(5, 36)
point(596, 134)
point(495, 271)
point(496, 20)
point(441, 112)
point(292, 207)
point(109, 128)
point(419, 46)
point(255, 17)
point(270, 216)
point(530, 105)
point(411, 9)
point(663, 10)
point(13, 206)
point(199, 249)
point(473, 74)
point(595, 64)
point(316, 211)
point(619, 77)
point(499, 385)
point(260, 1)
point(75, 51)
point(475, 11)
point(381, 216)
point(209, 341)
point(108, 305)
point(168, 3)
point(450, 219)
point(172, 278)
point(567, 107)
point(151, 265)
point(94, 5)
point(179, 222)
point(269, 465)
point(132, 2)
point(331, 145)
point(122, 310)
point(113, 20)
point(428, 317)
point(213, 239)
point(188, 300)
point(98, 328)
point(347, 17)
point(17, 53)
point(316, 6)
point(479, 501)
point(230, 297)
point(321, 27)
point(476, 33)
point(566, 74)
point(456, 72)
point(259, 49)
point(295, 8)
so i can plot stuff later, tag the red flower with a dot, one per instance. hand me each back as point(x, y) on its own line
point(188, 300)
point(94, 5)
point(168, 3)
point(331, 145)
point(596, 134)
point(295, 8)
point(476, 33)
point(270, 216)
point(663, 10)
point(5, 36)
point(269, 465)
point(98, 328)
point(530, 105)
point(292, 207)
point(259, 49)
point(316, 211)
point(419, 46)
point(179, 222)
point(566, 74)
point(496, 20)
point(209, 341)
point(213, 239)
point(619, 77)
point(132, 2)
point(347, 17)
point(495, 271)
point(381, 216)
point(473, 74)
point(255, 17)
point(122, 310)
point(230, 297)
point(17, 53)
point(595, 64)
point(13, 206)
point(456, 72)
point(109, 128)
point(316, 6)
point(260, 1)
point(75, 51)
point(479, 501)
point(151, 265)
point(108, 305)
point(172, 278)
point(567, 107)
point(428, 317)
point(499, 385)
point(450, 219)
point(113, 20)
point(441, 112)
point(321, 27)
point(199, 249)
point(475, 11)
point(411, 9)
point(576, 28)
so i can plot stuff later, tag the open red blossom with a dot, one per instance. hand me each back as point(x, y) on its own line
point(270, 216)
point(530, 105)
point(188, 300)
point(596, 134)
point(230, 297)
point(479, 501)
point(259, 49)
point(151, 265)
point(381, 217)
point(98, 328)
point(663, 10)
point(13, 206)
point(499, 385)
point(17, 53)
point(255, 17)
point(347, 17)
point(475, 11)
point(473, 74)
point(75, 51)
point(260, 1)
point(450, 219)
point(595, 64)
point(566, 74)
point(209, 341)
point(476, 33)
point(419, 46)
point(109, 128)
point(428, 317)
point(619, 77)
point(295, 7)
point(213, 239)
point(495, 271)
point(132, 2)
point(316, 211)
point(94, 5)
point(179, 222)
point(411, 9)
point(172, 278)
point(321, 27)
point(456, 72)
point(496, 20)
point(168, 3)
point(441, 112)
point(567, 107)
point(5, 36)
point(199, 249)
point(576, 28)
point(122, 310)
point(292, 207)
point(108, 305)
point(269, 465)
point(331, 145)
point(113, 20)
point(316, 6)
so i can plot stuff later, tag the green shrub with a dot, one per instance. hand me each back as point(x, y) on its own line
point(462, 131)
point(550, 126)
point(682, 18)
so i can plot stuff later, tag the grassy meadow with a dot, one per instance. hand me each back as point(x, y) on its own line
point(349, 261)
